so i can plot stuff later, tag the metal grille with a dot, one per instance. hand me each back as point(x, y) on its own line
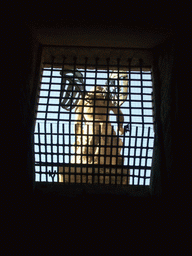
point(55, 135)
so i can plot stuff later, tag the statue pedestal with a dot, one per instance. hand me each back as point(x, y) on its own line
point(94, 175)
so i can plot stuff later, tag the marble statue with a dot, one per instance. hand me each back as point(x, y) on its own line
point(96, 140)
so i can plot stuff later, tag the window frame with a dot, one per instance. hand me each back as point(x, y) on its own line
point(135, 54)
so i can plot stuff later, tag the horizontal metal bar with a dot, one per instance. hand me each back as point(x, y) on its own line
point(88, 70)
point(92, 165)
point(126, 135)
point(103, 122)
point(111, 114)
point(75, 154)
point(84, 135)
point(132, 93)
point(109, 136)
point(64, 119)
point(88, 146)
point(57, 97)
point(99, 174)
point(78, 154)
point(52, 104)
point(71, 154)
point(92, 64)
point(92, 70)
point(91, 84)
point(100, 78)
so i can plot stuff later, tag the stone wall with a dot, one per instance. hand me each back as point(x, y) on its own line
point(165, 97)
point(165, 91)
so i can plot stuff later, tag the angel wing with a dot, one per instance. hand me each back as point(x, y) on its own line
point(72, 89)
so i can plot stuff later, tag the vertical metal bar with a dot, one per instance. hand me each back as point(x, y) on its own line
point(70, 134)
point(58, 153)
point(130, 112)
point(128, 166)
point(49, 91)
point(142, 115)
point(81, 146)
point(107, 120)
point(62, 72)
point(94, 102)
point(47, 107)
point(141, 150)
point(118, 124)
point(46, 153)
point(39, 142)
point(82, 138)
point(69, 144)
point(51, 148)
point(75, 155)
point(87, 154)
point(111, 154)
point(99, 154)
point(63, 134)
point(135, 150)
point(58, 121)
point(153, 110)
point(141, 81)
point(147, 149)
point(75, 170)
point(57, 144)
point(122, 168)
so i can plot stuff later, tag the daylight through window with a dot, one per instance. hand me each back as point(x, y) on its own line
point(94, 123)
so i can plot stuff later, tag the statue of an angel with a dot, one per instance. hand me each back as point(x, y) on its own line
point(96, 140)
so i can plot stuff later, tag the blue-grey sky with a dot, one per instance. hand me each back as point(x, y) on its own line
point(63, 114)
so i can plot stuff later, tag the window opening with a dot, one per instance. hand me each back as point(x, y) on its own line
point(94, 124)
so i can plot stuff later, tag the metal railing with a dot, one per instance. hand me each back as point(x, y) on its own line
point(55, 132)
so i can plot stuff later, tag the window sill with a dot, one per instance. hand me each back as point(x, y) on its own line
point(75, 190)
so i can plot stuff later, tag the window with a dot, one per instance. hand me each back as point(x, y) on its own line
point(94, 120)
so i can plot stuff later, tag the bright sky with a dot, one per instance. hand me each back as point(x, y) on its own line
point(56, 85)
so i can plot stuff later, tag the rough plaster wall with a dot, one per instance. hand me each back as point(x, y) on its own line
point(24, 118)
point(165, 91)
point(168, 89)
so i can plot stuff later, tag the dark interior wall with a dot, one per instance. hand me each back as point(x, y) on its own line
point(24, 74)
point(130, 216)
point(36, 34)
point(166, 150)
point(106, 33)
point(169, 112)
